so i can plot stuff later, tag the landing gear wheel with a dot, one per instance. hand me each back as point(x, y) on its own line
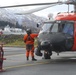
point(46, 55)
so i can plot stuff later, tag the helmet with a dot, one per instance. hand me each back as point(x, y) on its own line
point(28, 31)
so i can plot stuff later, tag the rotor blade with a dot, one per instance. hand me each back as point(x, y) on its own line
point(35, 10)
point(36, 4)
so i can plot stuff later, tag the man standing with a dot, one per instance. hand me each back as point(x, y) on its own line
point(29, 41)
point(1, 58)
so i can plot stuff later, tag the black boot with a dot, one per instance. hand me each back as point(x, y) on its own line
point(27, 58)
point(33, 59)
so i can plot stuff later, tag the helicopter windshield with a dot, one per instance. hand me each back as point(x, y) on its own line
point(46, 27)
point(54, 28)
point(59, 26)
point(65, 27)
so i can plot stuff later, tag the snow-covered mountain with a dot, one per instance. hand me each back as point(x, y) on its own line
point(23, 21)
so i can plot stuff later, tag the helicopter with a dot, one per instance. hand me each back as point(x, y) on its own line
point(58, 35)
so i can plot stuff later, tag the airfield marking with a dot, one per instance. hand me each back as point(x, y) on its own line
point(13, 55)
point(26, 65)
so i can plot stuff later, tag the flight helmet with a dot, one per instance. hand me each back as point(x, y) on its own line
point(28, 31)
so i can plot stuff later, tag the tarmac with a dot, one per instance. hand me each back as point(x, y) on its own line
point(16, 63)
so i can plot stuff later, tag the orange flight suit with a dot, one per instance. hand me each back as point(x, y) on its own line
point(30, 44)
point(1, 57)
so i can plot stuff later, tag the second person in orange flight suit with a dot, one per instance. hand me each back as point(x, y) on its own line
point(29, 42)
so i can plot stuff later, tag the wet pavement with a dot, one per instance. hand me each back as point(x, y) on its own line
point(16, 64)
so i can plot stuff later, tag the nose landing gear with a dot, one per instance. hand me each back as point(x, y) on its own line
point(47, 55)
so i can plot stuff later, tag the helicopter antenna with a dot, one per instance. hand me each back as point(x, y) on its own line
point(75, 8)
point(73, 2)
point(68, 8)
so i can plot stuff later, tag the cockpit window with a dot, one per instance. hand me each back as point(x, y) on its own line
point(61, 27)
point(64, 27)
point(68, 28)
point(46, 27)
point(54, 28)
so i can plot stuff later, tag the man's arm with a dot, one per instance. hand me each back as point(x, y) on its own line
point(35, 35)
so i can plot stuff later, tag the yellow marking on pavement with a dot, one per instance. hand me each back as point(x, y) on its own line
point(13, 55)
point(26, 65)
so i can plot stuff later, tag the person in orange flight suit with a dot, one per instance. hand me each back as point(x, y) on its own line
point(29, 41)
point(1, 58)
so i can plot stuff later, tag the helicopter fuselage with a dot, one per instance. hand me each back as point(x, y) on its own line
point(58, 36)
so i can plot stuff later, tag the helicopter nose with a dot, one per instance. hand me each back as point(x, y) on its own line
point(45, 44)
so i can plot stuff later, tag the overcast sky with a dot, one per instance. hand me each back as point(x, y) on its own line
point(44, 13)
